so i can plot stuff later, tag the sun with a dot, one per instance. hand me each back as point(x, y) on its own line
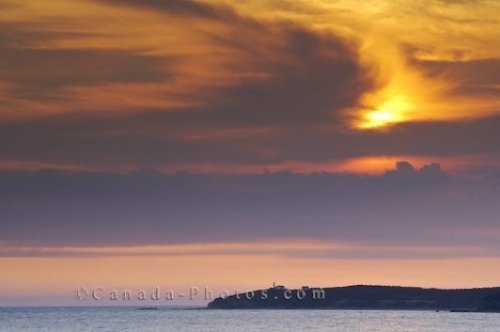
point(389, 112)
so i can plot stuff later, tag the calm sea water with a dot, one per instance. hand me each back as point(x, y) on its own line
point(130, 319)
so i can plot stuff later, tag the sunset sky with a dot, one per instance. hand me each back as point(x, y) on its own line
point(237, 143)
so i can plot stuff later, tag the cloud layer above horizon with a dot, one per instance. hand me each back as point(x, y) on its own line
point(406, 212)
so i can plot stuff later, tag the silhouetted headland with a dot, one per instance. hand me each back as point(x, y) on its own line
point(365, 297)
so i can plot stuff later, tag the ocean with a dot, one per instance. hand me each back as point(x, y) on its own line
point(125, 319)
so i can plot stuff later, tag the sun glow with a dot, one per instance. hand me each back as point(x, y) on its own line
point(390, 111)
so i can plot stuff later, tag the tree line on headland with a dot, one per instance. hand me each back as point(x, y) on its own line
point(365, 297)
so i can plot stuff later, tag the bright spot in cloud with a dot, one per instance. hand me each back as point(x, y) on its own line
point(389, 112)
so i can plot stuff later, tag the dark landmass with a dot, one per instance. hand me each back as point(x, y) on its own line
point(365, 297)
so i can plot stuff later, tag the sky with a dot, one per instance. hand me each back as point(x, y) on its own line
point(235, 143)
